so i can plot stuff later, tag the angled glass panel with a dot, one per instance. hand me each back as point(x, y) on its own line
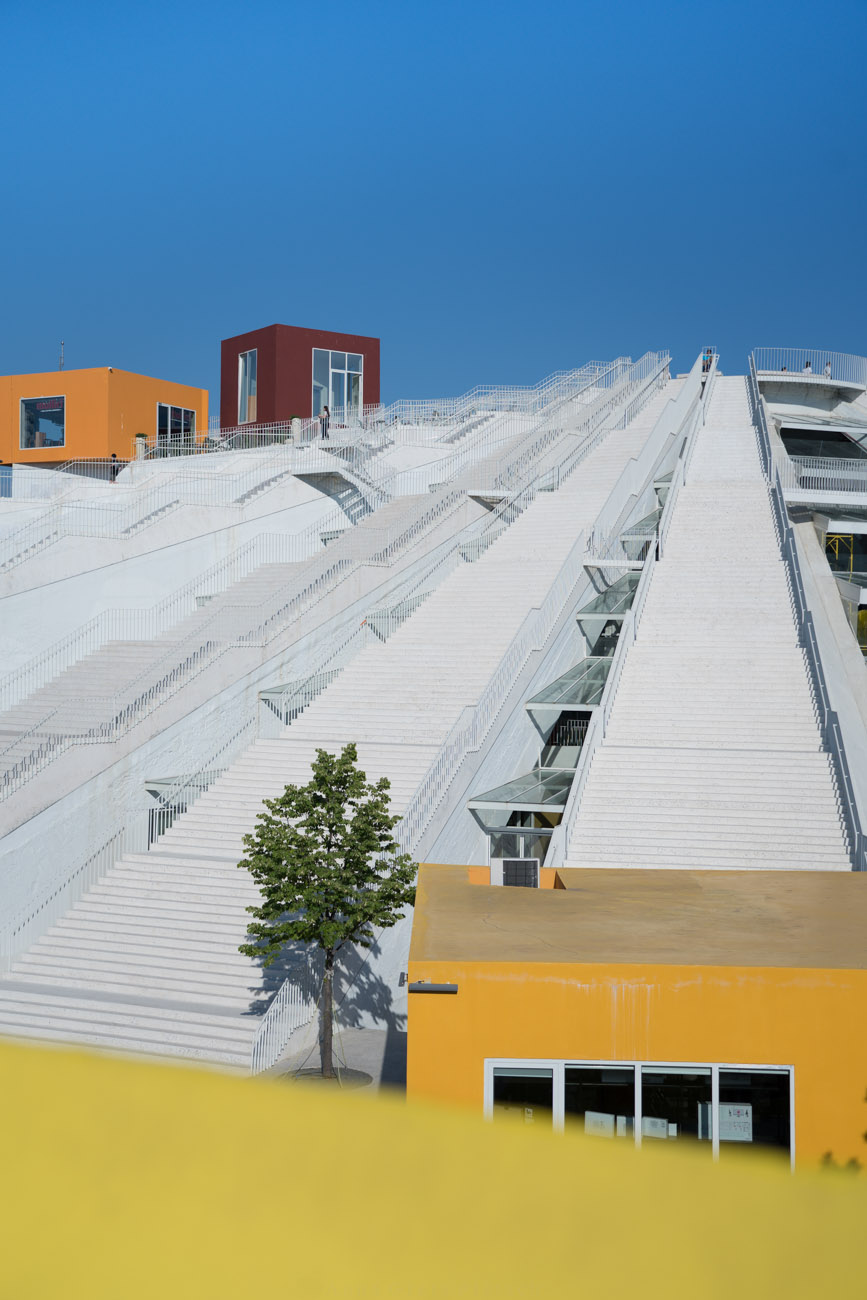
point(537, 790)
point(645, 525)
point(581, 686)
point(616, 600)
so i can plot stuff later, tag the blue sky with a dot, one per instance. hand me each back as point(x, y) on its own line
point(497, 190)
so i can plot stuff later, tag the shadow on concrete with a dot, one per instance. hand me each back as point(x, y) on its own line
point(394, 1060)
point(296, 961)
point(361, 996)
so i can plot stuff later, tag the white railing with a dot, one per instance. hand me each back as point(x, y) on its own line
point(53, 902)
point(679, 418)
point(693, 415)
point(213, 636)
point(148, 624)
point(436, 412)
point(350, 424)
point(124, 510)
point(469, 732)
point(293, 1006)
point(823, 475)
point(829, 723)
point(844, 367)
point(146, 491)
point(186, 789)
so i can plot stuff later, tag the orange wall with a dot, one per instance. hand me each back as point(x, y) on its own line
point(86, 393)
point(105, 409)
point(132, 408)
point(810, 1019)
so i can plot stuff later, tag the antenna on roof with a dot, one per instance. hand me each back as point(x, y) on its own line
point(60, 367)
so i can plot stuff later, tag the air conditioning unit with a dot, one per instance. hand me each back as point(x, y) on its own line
point(522, 873)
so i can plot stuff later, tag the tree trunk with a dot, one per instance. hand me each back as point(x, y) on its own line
point(326, 1036)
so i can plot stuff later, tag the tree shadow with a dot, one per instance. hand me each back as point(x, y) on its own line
point(362, 998)
point(298, 961)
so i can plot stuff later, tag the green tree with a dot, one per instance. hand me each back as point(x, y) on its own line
point(329, 870)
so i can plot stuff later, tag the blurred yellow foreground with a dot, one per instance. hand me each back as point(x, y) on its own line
point(127, 1180)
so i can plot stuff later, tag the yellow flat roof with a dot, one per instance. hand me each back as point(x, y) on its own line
point(810, 919)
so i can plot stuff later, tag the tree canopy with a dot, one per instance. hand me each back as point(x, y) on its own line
point(328, 867)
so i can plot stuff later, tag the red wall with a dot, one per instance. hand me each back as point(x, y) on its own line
point(285, 370)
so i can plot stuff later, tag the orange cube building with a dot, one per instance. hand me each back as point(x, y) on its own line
point(63, 415)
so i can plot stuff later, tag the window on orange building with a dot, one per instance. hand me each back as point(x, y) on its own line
point(176, 428)
point(525, 1094)
point(43, 422)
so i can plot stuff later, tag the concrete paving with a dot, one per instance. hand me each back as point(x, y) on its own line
point(379, 1053)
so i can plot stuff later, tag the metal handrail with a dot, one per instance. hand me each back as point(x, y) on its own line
point(56, 898)
point(829, 724)
point(148, 494)
point(845, 367)
point(230, 626)
point(696, 403)
point(283, 548)
point(821, 474)
point(339, 649)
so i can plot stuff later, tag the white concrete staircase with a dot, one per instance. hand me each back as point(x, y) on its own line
point(147, 961)
point(712, 757)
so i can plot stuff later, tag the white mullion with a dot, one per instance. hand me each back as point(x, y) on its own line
point(636, 1119)
point(714, 1109)
point(558, 1098)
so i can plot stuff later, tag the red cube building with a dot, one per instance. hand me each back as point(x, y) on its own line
point(280, 371)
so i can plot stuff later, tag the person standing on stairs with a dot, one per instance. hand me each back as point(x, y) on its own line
point(324, 420)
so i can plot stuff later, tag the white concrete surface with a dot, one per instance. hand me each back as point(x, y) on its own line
point(713, 757)
point(397, 700)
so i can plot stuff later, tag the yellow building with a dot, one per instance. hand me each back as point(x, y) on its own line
point(726, 1007)
point(63, 415)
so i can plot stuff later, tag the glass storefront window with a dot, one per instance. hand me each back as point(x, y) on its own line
point(754, 1107)
point(727, 1108)
point(247, 386)
point(524, 1094)
point(43, 422)
point(321, 379)
point(338, 382)
point(675, 1104)
point(600, 1100)
point(176, 428)
point(338, 390)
